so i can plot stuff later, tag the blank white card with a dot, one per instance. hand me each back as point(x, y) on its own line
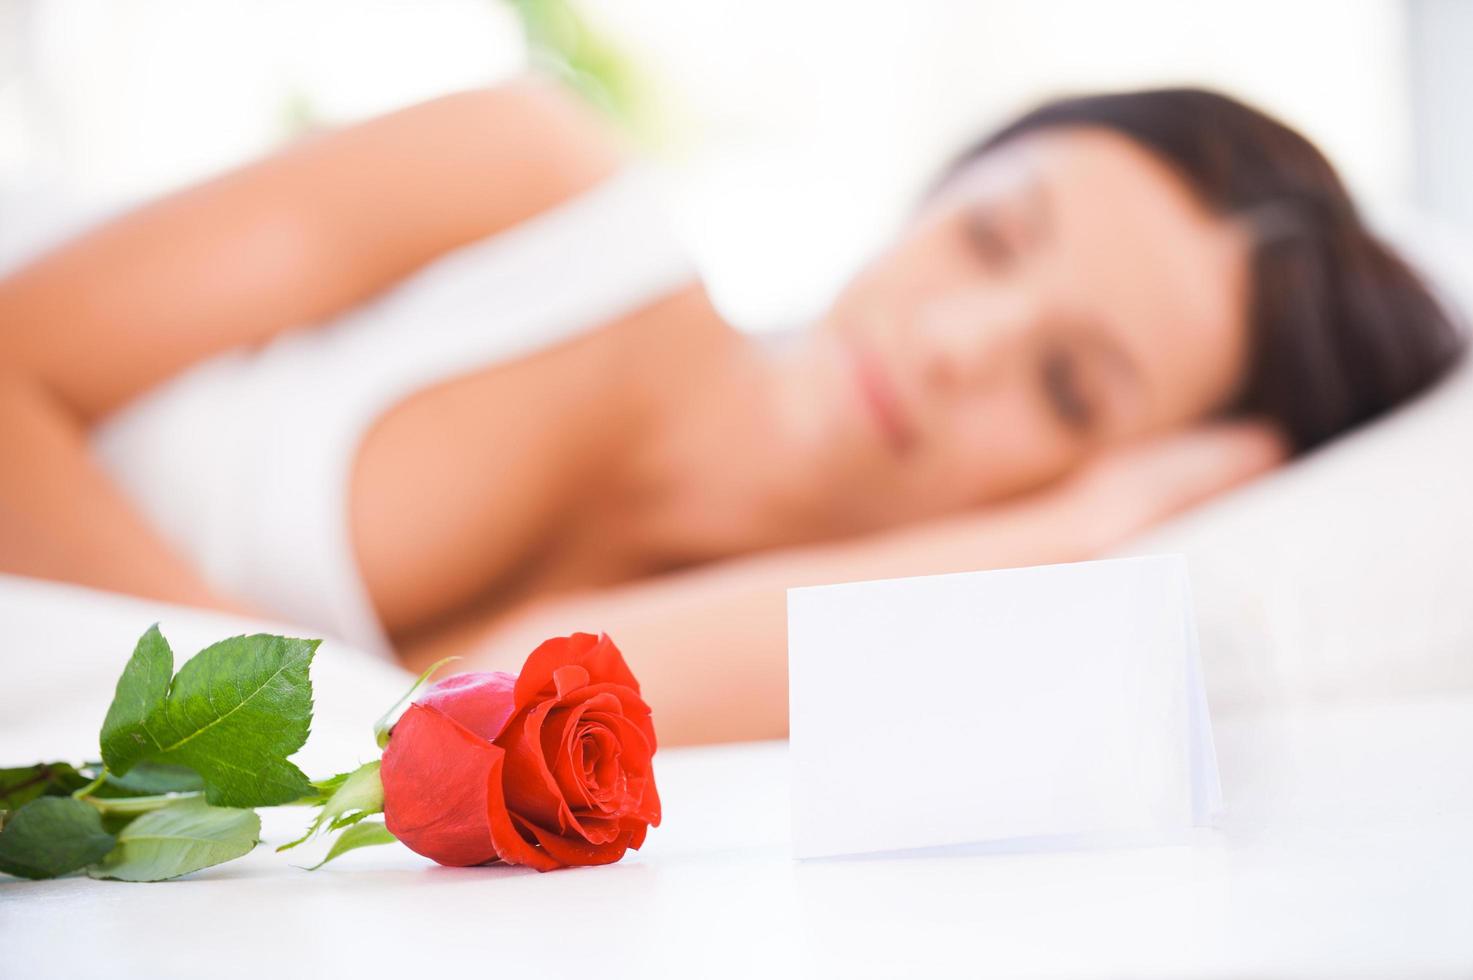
point(1057, 701)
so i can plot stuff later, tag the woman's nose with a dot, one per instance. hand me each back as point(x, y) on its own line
point(966, 339)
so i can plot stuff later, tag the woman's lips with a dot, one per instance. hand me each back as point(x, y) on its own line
point(879, 395)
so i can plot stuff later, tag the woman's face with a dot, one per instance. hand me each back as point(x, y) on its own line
point(1066, 292)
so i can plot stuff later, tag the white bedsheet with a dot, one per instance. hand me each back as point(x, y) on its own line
point(1344, 853)
point(64, 647)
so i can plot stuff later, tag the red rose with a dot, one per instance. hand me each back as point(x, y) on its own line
point(548, 768)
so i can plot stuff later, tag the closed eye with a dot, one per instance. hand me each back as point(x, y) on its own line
point(985, 235)
point(1064, 389)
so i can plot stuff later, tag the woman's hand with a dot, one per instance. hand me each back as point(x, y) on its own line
point(1129, 489)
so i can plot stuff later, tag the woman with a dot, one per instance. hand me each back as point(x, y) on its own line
point(1045, 360)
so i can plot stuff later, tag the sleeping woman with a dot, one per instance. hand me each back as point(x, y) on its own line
point(442, 382)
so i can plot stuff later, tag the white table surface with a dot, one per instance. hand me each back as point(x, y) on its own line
point(1346, 851)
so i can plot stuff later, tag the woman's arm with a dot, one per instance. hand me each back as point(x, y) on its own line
point(710, 645)
point(61, 518)
point(289, 240)
point(277, 244)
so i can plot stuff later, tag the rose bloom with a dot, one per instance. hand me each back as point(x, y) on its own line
point(547, 768)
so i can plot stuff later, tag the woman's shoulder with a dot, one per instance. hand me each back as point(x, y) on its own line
point(574, 147)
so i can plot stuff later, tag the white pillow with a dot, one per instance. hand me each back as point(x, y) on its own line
point(1349, 574)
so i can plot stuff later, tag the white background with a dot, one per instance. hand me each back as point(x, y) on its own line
point(795, 131)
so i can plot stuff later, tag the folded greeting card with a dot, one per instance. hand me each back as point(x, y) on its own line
point(1029, 705)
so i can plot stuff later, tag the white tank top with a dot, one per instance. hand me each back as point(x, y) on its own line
point(244, 461)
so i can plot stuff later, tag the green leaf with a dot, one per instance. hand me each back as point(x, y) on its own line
point(51, 836)
point(322, 790)
point(385, 724)
point(21, 785)
point(141, 690)
point(150, 779)
point(365, 834)
point(347, 820)
point(132, 806)
point(358, 795)
point(178, 839)
point(234, 713)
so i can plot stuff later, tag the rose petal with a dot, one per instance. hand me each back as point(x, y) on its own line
point(575, 772)
point(512, 847)
point(606, 777)
point(435, 774)
point(605, 664)
point(558, 734)
point(535, 681)
point(635, 796)
point(562, 723)
point(644, 800)
point(530, 789)
point(634, 753)
point(595, 654)
point(632, 706)
point(603, 768)
point(569, 713)
point(568, 678)
point(594, 827)
point(637, 712)
point(482, 701)
point(533, 790)
point(569, 762)
point(577, 852)
point(443, 797)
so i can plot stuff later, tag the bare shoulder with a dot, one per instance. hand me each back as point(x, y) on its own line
point(566, 144)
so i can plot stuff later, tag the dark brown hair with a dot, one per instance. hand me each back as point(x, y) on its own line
point(1342, 328)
